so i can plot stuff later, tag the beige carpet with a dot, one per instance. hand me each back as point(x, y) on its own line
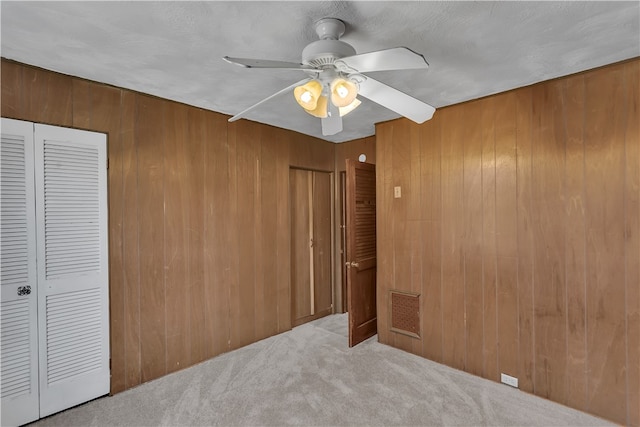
point(309, 376)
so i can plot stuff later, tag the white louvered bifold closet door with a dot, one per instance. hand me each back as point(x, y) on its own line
point(73, 316)
point(19, 296)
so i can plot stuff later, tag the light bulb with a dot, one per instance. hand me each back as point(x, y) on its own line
point(306, 97)
point(342, 91)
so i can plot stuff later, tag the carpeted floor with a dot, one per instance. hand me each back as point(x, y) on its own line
point(309, 376)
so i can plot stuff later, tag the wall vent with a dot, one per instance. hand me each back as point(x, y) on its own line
point(405, 313)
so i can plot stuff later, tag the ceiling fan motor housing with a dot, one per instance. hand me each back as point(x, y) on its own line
point(326, 50)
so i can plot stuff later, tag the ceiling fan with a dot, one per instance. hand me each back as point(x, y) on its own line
point(334, 78)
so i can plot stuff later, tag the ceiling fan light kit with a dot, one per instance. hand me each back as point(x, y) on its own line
point(335, 78)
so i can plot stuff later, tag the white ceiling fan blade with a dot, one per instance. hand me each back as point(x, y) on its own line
point(397, 58)
point(265, 63)
point(397, 101)
point(286, 89)
point(332, 124)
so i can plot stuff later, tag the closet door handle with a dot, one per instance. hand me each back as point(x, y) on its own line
point(24, 290)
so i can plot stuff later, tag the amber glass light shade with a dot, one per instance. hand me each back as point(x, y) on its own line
point(308, 94)
point(321, 108)
point(343, 92)
point(349, 108)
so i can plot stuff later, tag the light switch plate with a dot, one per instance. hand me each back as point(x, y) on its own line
point(397, 192)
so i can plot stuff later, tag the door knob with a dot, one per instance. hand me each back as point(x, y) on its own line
point(24, 290)
point(354, 264)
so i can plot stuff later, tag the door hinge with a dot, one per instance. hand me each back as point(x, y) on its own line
point(107, 163)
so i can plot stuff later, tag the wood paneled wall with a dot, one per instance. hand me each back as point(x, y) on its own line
point(344, 151)
point(519, 225)
point(198, 218)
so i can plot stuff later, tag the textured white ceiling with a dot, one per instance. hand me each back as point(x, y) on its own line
point(174, 49)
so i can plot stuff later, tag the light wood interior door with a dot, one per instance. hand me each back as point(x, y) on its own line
point(361, 251)
point(311, 287)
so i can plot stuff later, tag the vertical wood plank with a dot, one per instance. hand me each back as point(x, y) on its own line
point(322, 242)
point(430, 150)
point(506, 236)
point(11, 104)
point(301, 214)
point(105, 108)
point(489, 251)
point(604, 183)
point(47, 97)
point(195, 164)
point(81, 103)
point(525, 241)
point(452, 232)
point(219, 245)
point(153, 333)
point(177, 199)
point(258, 265)
point(321, 152)
point(632, 239)
point(573, 111)
point(472, 244)
point(283, 251)
point(242, 300)
point(269, 230)
point(130, 242)
point(416, 224)
point(384, 220)
point(549, 225)
point(401, 226)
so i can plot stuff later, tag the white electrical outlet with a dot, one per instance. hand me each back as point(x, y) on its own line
point(397, 192)
point(509, 380)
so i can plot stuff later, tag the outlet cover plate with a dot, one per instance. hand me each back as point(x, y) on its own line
point(509, 380)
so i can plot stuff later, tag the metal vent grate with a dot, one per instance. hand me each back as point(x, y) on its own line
point(405, 313)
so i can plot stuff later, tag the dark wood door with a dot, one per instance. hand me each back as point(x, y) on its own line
point(361, 251)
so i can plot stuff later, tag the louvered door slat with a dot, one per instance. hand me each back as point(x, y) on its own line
point(71, 194)
point(71, 179)
point(18, 313)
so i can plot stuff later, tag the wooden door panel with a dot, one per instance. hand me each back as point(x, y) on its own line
point(300, 266)
point(361, 250)
point(322, 241)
